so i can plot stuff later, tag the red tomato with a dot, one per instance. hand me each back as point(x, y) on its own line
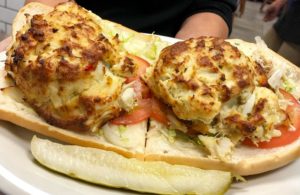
point(134, 117)
point(141, 69)
point(141, 89)
point(157, 113)
point(146, 108)
point(142, 64)
point(287, 136)
point(142, 112)
point(131, 79)
point(293, 110)
point(90, 67)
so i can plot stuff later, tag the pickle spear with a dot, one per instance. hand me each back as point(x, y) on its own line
point(111, 169)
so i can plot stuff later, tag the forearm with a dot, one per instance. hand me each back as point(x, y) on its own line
point(280, 2)
point(203, 24)
point(47, 2)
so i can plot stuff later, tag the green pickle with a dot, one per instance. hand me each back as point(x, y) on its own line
point(110, 169)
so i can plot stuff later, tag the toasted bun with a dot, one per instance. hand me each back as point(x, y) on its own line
point(15, 110)
point(245, 161)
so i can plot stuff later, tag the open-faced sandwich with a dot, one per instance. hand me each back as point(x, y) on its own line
point(235, 104)
point(76, 72)
point(204, 102)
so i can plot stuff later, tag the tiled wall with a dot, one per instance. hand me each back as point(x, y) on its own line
point(8, 10)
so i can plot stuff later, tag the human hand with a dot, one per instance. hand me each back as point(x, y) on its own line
point(4, 43)
point(273, 10)
point(203, 24)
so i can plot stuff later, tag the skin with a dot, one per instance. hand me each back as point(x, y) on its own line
point(203, 24)
point(47, 2)
point(273, 10)
point(4, 43)
point(200, 24)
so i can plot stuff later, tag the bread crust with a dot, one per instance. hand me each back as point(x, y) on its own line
point(246, 160)
point(21, 115)
point(253, 161)
point(24, 116)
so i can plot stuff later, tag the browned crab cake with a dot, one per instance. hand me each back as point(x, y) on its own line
point(60, 61)
point(197, 76)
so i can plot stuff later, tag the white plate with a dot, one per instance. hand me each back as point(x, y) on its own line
point(20, 174)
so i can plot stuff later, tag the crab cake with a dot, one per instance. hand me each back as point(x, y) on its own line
point(61, 62)
point(197, 77)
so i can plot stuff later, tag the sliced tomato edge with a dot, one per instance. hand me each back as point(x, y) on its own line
point(288, 136)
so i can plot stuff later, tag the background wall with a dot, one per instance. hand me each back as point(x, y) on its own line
point(8, 10)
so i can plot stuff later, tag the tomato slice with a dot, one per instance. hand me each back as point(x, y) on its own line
point(287, 136)
point(139, 114)
point(90, 67)
point(147, 108)
point(293, 109)
point(142, 66)
point(141, 89)
point(134, 117)
point(131, 79)
point(157, 113)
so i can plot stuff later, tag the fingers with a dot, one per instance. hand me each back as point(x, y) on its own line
point(271, 13)
point(4, 43)
point(203, 24)
point(273, 10)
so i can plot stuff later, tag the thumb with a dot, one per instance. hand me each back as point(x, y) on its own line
point(270, 14)
point(4, 44)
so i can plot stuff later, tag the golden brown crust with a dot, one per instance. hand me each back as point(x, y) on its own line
point(195, 77)
point(25, 13)
point(25, 117)
point(57, 60)
point(246, 161)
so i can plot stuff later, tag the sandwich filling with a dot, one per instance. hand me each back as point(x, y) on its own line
point(78, 74)
point(220, 95)
point(69, 71)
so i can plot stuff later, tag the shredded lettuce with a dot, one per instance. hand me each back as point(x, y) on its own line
point(170, 135)
point(239, 178)
point(100, 133)
point(148, 50)
point(288, 85)
point(121, 130)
